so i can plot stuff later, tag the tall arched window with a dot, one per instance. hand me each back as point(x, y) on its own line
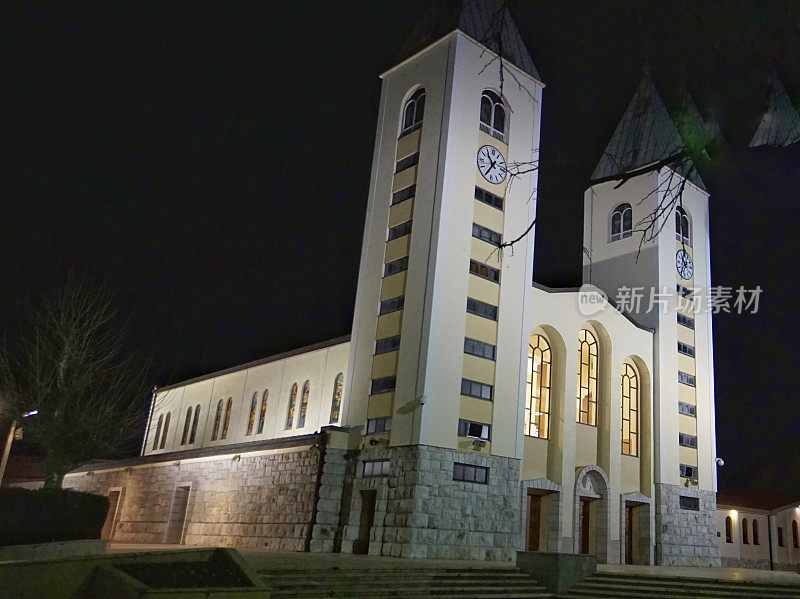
point(217, 420)
point(186, 424)
point(301, 420)
point(336, 403)
point(795, 535)
point(755, 532)
point(251, 421)
point(537, 404)
point(745, 536)
point(587, 378)
point(228, 410)
point(621, 222)
point(630, 411)
point(290, 408)
point(413, 112)
point(262, 414)
point(728, 530)
point(166, 430)
point(682, 232)
point(493, 115)
point(158, 431)
point(194, 424)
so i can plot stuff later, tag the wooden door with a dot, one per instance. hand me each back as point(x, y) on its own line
point(628, 533)
point(534, 521)
point(368, 499)
point(585, 523)
point(177, 516)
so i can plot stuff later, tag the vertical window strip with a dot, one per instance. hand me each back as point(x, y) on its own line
point(537, 398)
point(336, 403)
point(262, 415)
point(195, 422)
point(251, 420)
point(399, 230)
point(228, 410)
point(166, 431)
point(186, 424)
point(587, 378)
point(630, 411)
point(301, 419)
point(290, 407)
point(217, 421)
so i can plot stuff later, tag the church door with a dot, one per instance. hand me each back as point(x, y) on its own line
point(534, 521)
point(628, 533)
point(368, 499)
point(111, 517)
point(177, 516)
point(585, 523)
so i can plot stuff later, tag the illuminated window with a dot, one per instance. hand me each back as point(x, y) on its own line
point(228, 410)
point(166, 430)
point(336, 404)
point(186, 424)
point(290, 409)
point(262, 414)
point(493, 115)
point(158, 432)
point(251, 421)
point(537, 404)
point(630, 411)
point(795, 535)
point(621, 222)
point(195, 421)
point(301, 420)
point(745, 537)
point(682, 226)
point(587, 378)
point(413, 112)
point(217, 420)
point(728, 530)
point(755, 532)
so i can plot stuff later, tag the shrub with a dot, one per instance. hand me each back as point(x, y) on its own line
point(36, 516)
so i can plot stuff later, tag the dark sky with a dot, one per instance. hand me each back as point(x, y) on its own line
point(211, 162)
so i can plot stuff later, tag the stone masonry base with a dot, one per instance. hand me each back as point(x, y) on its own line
point(685, 537)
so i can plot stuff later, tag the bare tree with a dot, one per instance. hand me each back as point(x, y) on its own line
point(70, 366)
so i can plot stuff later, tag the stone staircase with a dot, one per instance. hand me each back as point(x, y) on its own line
point(406, 583)
point(635, 586)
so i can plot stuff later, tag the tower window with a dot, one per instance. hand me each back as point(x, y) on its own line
point(474, 347)
point(470, 474)
point(413, 112)
point(587, 378)
point(376, 426)
point(474, 430)
point(687, 440)
point(685, 349)
point(621, 222)
point(682, 232)
point(493, 115)
point(484, 271)
point(630, 411)
point(687, 409)
point(686, 321)
point(686, 379)
point(480, 308)
point(485, 234)
point(389, 344)
point(687, 471)
point(383, 385)
point(392, 304)
point(399, 230)
point(395, 266)
point(488, 198)
point(476, 389)
point(537, 398)
point(406, 162)
point(403, 194)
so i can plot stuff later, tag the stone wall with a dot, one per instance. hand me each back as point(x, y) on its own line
point(262, 498)
point(685, 537)
point(742, 562)
point(421, 512)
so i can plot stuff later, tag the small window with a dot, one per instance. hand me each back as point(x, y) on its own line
point(684, 291)
point(375, 426)
point(383, 385)
point(476, 389)
point(158, 431)
point(686, 378)
point(728, 530)
point(470, 474)
point(755, 532)
point(406, 162)
point(780, 536)
point(686, 321)
point(682, 226)
point(290, 407)
point(687, 440)
point(745, 536)
point(685, 349)
point(166, 431)
point(195, 422)
point(687, 409)
point(488, 198)
point(251, 420)
point(301, 419)
point(384, 346)
point(413, 112)
point(689, 503)
point(217, 421)
point(688, 471)
point(486, 235)
point(399, 230)
point(474, 347)
point(187, 423)
point(392, 305)
point(262, 413)
point(228, 410)
point(336, 402)
point(377, 468)
point(395, 266)
point(479, 308)
point(621, 222)
point(473, 430)
point(484, 271)
point(403, 194)
point(795, 535)
point(493, 115)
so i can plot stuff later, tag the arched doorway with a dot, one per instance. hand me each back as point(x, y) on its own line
point(591, 518)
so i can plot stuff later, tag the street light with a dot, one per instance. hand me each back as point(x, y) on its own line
point(12, 434)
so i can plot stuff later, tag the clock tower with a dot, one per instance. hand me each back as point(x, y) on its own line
point(662, 283)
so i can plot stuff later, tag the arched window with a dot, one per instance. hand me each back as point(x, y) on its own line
point(537, 404)
point(217, 420)
point(336, 404)
point(166, 430)
point(413, 112)
point(728, 530)
point(262, 415)
point(251, 421)
point(745, 537)
point(755, 532)
point(228, 410)
point(682, 232)
point(795, 535)
point(290, 409)
point(194, 424)
point(587, 378)
point(186, 424)
point(158, 432)
point(301, 420)
point(630, 411)
point(493, 115)
point(621, 222)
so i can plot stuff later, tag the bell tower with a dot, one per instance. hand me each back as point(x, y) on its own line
point(663, 282)
point(436, 370)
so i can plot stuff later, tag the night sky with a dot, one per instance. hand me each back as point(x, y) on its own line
point(211, 163)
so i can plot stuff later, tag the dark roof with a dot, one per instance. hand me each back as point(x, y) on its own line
point(646, 135)
point(780, 123)
point(487, 21)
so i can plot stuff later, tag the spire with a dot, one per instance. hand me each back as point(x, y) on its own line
point(488, 22)
point(780, 124)
point(645, 135)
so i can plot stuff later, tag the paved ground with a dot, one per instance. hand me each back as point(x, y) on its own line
point(715, 573)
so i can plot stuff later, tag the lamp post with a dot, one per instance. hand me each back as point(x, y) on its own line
point(12, 432)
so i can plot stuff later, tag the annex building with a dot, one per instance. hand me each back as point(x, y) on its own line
point(470, 413)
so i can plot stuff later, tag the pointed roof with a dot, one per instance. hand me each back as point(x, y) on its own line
point(780, 125)
point(645, 135)
point(487, 21)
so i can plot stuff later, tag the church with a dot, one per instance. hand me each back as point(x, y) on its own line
point(471, 413)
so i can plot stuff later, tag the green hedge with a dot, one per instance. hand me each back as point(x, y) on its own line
point(33, 516)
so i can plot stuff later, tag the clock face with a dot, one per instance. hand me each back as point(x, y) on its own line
point(684, 264)
point(491, 164)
